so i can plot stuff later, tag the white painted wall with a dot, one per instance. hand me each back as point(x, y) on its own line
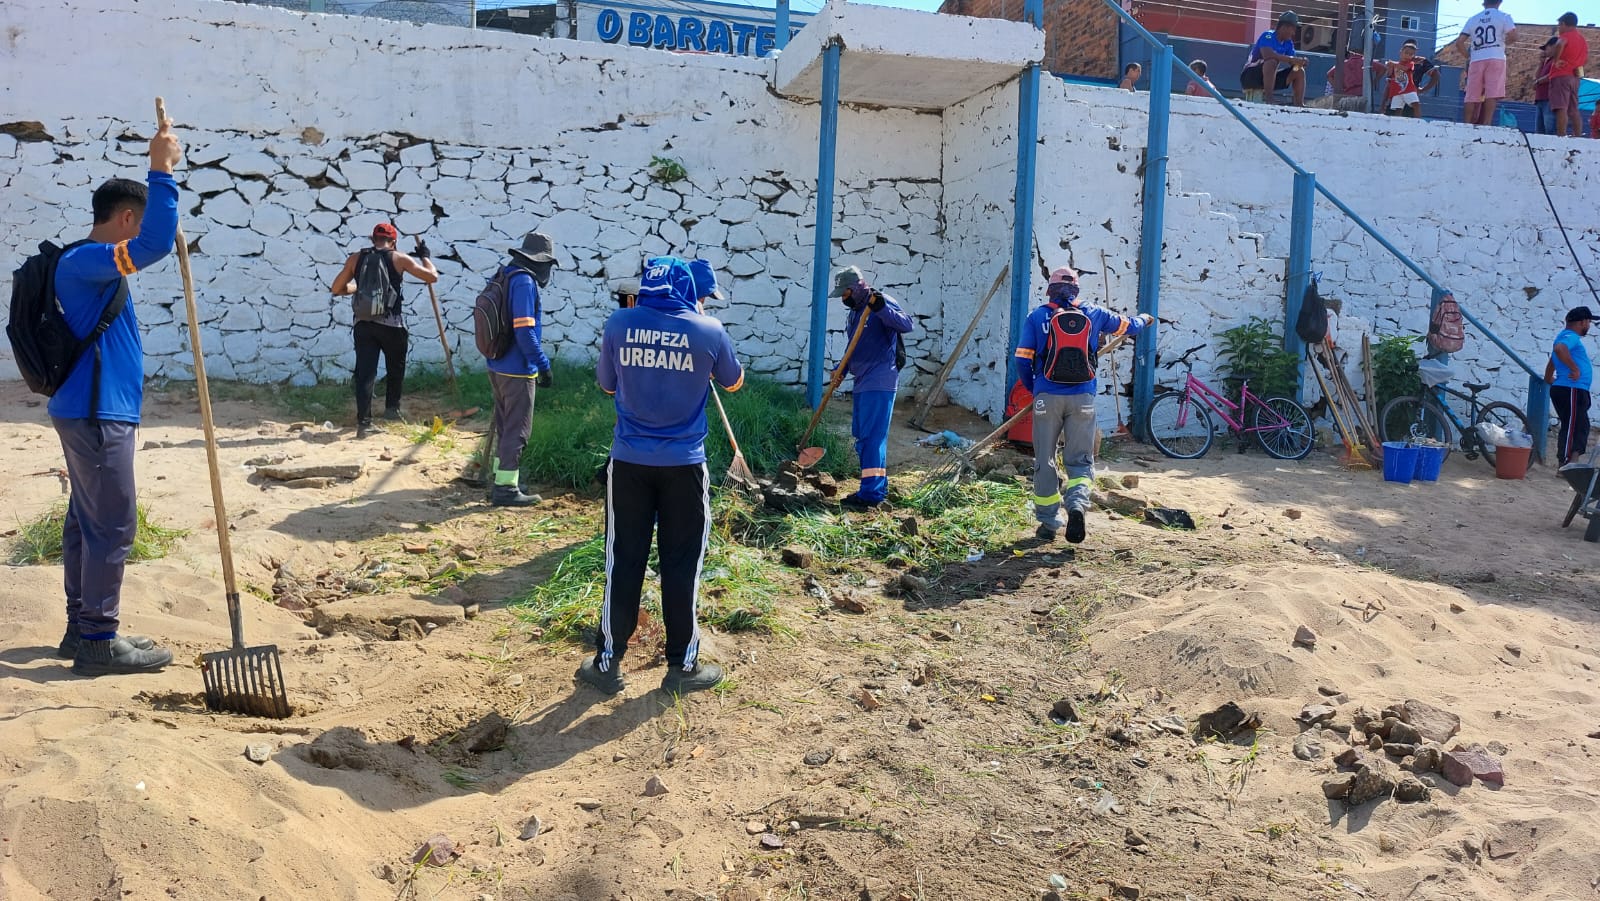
point(468, 138)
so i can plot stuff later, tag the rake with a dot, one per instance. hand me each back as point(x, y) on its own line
point(739, 471)
point(240, 679)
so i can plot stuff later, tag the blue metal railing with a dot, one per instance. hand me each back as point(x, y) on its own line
point(1538, 408)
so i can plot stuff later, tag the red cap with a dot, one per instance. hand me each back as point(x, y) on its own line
point(385, 230)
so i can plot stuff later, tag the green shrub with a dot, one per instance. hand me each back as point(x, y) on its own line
point(1254, 352)
point(39, 540)
point(1394, 368)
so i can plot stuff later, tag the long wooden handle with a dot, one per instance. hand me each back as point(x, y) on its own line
point(727, 426)
point(955, 353)
point(438, 317)
point(220, 509)
point(838, 377)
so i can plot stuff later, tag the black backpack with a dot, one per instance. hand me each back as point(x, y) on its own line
point(376, 295)
point(491, 317)
point(43, 344)
point(1312, 326)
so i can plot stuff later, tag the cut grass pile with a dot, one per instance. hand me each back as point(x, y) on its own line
point(38, 541)
point(741, 576)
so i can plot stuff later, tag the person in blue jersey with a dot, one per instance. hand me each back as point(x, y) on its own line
point(1056, 359)
point(1273, 65)
point(874, 368)
point(135, 225)
point(658, 360)
point(1570, 376)
point(513, 376)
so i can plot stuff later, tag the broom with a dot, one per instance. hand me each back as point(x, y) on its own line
point(240, 679)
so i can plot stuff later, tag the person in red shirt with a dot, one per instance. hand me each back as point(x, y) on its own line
point(1195, 88)
point(1571, 54)
point(1402, 98)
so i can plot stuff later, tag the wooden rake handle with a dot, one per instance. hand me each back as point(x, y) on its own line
point(838, 377)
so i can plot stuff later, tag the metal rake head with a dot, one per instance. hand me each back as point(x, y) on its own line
point(246, 680)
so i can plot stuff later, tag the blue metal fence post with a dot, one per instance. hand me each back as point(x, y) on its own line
point(1022, 264)
point(1301, 221)
point(1151, 230)
point(783, 24)
point(1538, 413)
point(822, 259)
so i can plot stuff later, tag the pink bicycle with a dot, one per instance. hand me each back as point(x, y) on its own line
point(1179, 422)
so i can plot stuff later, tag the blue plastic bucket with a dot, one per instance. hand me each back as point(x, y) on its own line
point(1399, 462)
point(1429, 461)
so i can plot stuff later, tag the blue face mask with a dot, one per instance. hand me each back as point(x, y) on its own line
point(859, 292)
point(1062, 292)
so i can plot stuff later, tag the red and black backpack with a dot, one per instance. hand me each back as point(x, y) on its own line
point(1069, 356)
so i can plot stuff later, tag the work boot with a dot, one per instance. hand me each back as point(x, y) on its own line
point(1075, 527)
point(679, 681)
point(1046, 531)
point(857, 502)
point(512, 496)
point(610, 681)
point(392, 414)
point(68, 648)
point(115, 656)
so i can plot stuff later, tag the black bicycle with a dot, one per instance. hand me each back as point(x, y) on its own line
point(1434, 416)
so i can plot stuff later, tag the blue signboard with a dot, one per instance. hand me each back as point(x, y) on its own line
point(689, 28)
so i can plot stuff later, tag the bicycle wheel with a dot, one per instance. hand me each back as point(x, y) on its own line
point(1282, 428)
point(1503, 415)
point(1179, 426)
point(1409, 417)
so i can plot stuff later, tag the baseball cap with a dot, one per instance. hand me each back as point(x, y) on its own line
point(385, 230)
point(1579, 314)
point(1064, 276)
point(845, 279)
point(1289, 18)
point(705, 280)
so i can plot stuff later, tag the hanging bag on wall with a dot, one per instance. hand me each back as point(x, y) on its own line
point(1312, 326)
point(1447, 328)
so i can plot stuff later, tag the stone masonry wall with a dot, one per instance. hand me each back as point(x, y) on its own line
point(277, 193)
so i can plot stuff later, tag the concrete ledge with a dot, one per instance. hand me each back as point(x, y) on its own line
point(906, 59)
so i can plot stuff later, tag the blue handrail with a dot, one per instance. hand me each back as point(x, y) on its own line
point(1538, 402)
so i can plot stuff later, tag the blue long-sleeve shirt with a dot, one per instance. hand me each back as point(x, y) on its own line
point(87, 277)
point(871, 366)
point(659, 359)
point(1036, 331)
point(526, 356)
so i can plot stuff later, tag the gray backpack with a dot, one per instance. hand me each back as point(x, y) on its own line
point(376, 292)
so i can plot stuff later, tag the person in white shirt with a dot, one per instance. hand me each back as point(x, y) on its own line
point(1486, 35)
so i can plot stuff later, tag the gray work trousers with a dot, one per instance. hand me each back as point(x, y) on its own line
point(513, 418)
point(1057, 417)
point(102, 517)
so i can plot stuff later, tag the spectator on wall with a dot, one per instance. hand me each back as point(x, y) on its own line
point(1487, 34)
point(1195, 89)
point(1130, 76)
point(1403, 96)
point(1544, 119)
point(1572, 53)
point(1273, 65)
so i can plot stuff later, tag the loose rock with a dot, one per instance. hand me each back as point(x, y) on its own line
point(1307, 747)
point(1305, 638)
point(1410, 789)
point(1226, 721)
point(915, 724)
point(1133, 838)
point(489, 734)
point(1477, 761)
point(531, 829)
point(818, 757)
point(1349, 757)
point(911, 583)
point(868, 701)
point(1063, 711)
point(1404, 733)
point(1370, 783)
point(1125, 891)
point(1337, 787)
point(1316, 714)
point(1426, 759)
point(771, 842)
point(588, 803)
point(797, 557)
point(1130, 481)
point(1292, 513)
point(755, 827)
point(437, 851)
point(257, 753)
point(409, 630)
point(1434, 723)
point(848, 602)
point(910, 526)
point(1173, 723)
point(1398, 749)
point(654, 787)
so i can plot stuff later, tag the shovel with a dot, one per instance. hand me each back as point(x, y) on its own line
point(739, 470)
point(238, 680)
point(809, 456)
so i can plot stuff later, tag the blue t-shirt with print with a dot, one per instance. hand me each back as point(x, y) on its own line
point(1573, 342)
point(659, 359)
point(87, 277)
point(1269, 39)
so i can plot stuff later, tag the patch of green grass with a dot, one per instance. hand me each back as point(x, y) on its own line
point(768, 419)
point(39, 540)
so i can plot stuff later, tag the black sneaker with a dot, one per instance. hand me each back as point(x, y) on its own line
point(68, 648)
point(363, 429)
point(610, 681)
point(1075, 527)
point(392, 415)
point(857, 502)
point(512, 496)
point(1045, 532)
point(679, 681)
point(116, 657)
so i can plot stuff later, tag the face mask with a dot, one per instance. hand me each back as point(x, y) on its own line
point(541, 273)
point(1061, 292)
point(859, 292)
